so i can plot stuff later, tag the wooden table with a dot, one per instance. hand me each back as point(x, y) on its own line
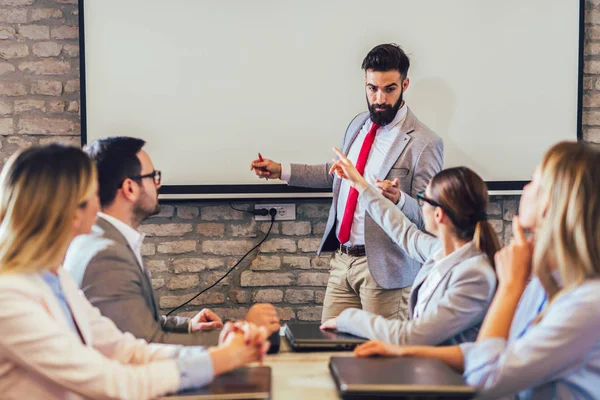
point(301, 375)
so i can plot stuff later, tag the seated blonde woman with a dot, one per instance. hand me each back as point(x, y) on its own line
point(456, 284)
point(541, 337)
point(53, 343)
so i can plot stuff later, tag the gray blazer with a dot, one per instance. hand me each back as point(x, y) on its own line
point(414, 158)
point(109, 274)
point(454, 310)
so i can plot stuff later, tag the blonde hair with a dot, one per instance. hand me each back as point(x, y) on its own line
point(567, 237)
point(40, 190)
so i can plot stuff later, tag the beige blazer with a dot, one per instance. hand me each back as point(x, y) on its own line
point(42, 358)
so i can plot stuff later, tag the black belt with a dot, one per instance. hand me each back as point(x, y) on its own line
point(354, 251)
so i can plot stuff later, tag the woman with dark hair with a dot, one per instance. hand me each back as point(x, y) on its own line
point(456, 283)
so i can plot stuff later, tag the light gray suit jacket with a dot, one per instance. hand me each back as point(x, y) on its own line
point(109, 274)
point(414, 158)
point(453, 311)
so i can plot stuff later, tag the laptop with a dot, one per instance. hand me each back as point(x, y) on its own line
point(242, 383)
point(309, 337)
point(397, 377)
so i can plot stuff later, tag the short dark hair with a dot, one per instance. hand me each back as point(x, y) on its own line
point(116, 159)
point(387, 57)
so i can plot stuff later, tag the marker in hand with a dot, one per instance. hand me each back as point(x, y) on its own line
point(261, 160)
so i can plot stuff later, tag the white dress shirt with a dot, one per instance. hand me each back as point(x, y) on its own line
point(134, 238)
point(384, 139)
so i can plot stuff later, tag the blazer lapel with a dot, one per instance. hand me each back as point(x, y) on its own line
point(467, 251)
point(399, 144)
point(111, 232)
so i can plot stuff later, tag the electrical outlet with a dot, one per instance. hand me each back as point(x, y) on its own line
point(285, 212)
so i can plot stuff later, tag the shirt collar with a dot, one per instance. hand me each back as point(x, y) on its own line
point(400, 116)
point(133, 237)
point(52, 280)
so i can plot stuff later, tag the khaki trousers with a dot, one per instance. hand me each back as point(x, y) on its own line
point(351, 285)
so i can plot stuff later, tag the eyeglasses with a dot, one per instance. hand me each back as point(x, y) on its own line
point(155, 175)
point(421, 198)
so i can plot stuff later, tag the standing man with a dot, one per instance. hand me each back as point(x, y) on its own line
point(108, 266)
point(395, 152)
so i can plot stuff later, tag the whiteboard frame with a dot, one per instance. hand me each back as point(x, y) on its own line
point(261, 191)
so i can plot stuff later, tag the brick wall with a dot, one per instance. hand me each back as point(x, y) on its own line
point(192, 244)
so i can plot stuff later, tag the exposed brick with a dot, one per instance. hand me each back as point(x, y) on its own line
point(29, 105)
point(13, 15)
point(46, 67)
point(309, 245)
point(74, 141)
point(165, 211)
point(510, 209)
point(268, 296)
point(13, 50)
point(180, 247)
point(244, 230)
point(22, 143)
point(593, 32)
point(73, 106)
point(40, 14)
point(148, 249)
point(275, 245)
point(46, 126)
point(592, 67)
point(313, 279)
point(231, 313)
point(296, 262)
point(7, 32)
point(227, 247)
point(202, 300)
point(264, 228)
point(12, 89)
point(64, 32)
point(34, 32)
point(497, 225)
point(310, 313)
point(240, 296)
point(249, 278)
point(285, 313)
point(588, 83)
point(591, 117)
point(211, 229)
point(6, 126)
point(300, 228)
point(196, 264)
point(319, 228)
point(6, 107)
point(46, 49)
point(72, 86)
point(592, 135)
point(186, 212)
point(6, 68)
point(157, 283)
point(183, 282)
point(67, 1)
point(47, 88)
point(156, 266)
point(71, 50)
point(266, 263)
point(299, 296)
point(494, 208)
point(166, 229)
point(220, 213)
point(56, 106)
point(314, 211)
point(16, 2)
point(319, 296)
point(321, 262)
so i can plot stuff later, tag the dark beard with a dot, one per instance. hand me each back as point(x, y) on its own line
point(382, 118)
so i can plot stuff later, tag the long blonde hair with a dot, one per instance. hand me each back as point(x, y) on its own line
point(40, 190)
point(567, 237)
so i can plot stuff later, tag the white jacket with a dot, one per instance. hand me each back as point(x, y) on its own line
point(42, 358)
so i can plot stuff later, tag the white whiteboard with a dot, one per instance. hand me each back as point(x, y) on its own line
point(210, 83)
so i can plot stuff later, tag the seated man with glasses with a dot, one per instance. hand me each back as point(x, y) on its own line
point(108, 264)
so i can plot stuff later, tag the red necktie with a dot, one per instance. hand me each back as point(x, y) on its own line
point(346, 225)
